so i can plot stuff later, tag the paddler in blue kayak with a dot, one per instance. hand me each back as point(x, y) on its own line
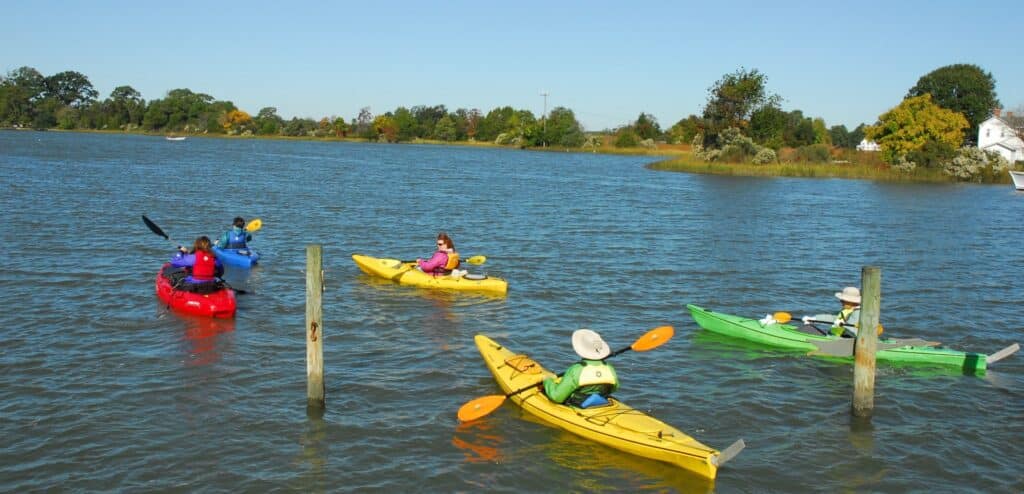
point(588, 382)
point(236, 237)
point(845, 322)
point(444, 260)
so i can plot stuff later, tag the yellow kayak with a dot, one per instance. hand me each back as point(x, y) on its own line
point(405, 273)
point(616, 425)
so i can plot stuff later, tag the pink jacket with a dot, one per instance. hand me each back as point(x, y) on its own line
point(436, 263)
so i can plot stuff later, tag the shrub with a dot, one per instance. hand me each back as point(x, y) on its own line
point(765, 155)
point(904, 165)
point(934, 154)
point(973, 164)
point(814, 153)
point(626, 138)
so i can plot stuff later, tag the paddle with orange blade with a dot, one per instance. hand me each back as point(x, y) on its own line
point(484, 405)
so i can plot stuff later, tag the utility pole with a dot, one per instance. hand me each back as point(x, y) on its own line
point(544, 116)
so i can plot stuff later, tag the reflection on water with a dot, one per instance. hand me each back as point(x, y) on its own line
point(479, 441)
point(201, 337)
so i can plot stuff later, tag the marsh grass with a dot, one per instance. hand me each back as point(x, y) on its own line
point(870, 170)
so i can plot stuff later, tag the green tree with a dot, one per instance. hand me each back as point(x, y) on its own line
point(445, 129)
point(912, 125)
point(267, 121)
point(685, 130)
point(647, 127)
point(626, 138)
point(768, 126)
point(963, 88)
point(562, 129)
point(821, 135)
point(20, 91)
point(406, 126)
point(732, 100)
point(124, 107)
point(70, 88)
point(840, 136)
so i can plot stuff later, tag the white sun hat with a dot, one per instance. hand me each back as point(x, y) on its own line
point(589, 345)
point(849, 294)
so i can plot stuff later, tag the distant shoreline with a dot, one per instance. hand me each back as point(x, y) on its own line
point(677, 159)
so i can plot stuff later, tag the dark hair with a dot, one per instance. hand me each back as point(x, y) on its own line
point(239, 222)
point(447, 240)
point(202, 244)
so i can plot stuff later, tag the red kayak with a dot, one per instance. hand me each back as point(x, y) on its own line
point(219, 303)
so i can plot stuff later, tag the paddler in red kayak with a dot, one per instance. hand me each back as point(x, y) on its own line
point(588, 382)
point(206, 268)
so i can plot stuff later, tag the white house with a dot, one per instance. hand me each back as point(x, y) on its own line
point(866, 145)
point(996, 134)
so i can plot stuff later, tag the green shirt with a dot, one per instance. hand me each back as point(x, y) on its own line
point(560, 390)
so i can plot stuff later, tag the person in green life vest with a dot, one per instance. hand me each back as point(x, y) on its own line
point(845, 322)
point(588, 382)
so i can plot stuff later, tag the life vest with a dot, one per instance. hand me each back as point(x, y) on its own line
point(453, 261)
point(596, 378)
point(236, 238)
point(844, 317)
point(205, 266)
point(597, 374)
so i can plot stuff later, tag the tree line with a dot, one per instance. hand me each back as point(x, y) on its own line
point(67, 100)
point(935, 125)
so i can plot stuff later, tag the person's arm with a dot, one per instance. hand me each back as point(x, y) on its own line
point(183, 261)
point(437, 260)
point(558, 390)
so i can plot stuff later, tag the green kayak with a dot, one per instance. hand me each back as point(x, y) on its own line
point(893, 350)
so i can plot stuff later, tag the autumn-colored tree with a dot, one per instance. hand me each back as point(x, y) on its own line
point(385, 128)
point(916, 122)
point(235, 120)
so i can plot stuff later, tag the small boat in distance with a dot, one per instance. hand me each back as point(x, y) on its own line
point(174, 138)
point(1018, 179)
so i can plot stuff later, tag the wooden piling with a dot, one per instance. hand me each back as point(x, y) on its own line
point(867, 342)
point(314, 327)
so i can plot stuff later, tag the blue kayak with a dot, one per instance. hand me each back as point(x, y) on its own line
point(244, 258)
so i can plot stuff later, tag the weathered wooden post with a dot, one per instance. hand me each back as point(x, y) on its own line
point(867, 342)
point(314, 328)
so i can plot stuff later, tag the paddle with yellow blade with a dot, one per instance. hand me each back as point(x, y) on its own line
point(475, 260)
point(254, 225)
point(484, 405)
point(843, 347)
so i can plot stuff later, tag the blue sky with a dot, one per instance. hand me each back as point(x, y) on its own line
point(846, 62)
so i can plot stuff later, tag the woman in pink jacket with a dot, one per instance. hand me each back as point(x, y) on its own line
point(444, 260)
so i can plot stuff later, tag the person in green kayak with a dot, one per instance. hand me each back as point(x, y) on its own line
point(236, 237)
point(589, 381)
point(845, 322)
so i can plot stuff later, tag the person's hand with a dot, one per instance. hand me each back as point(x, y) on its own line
point(182, 249)
point(807, 319)
point(216, 242)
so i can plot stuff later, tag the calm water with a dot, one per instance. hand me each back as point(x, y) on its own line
point(101, 389)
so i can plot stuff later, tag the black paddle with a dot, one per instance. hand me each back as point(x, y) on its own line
point(159, 231)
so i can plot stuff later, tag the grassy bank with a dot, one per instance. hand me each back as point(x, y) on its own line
point(866, 171)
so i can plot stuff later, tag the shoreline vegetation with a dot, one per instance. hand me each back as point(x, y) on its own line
point(742, 129)
point(858, 165)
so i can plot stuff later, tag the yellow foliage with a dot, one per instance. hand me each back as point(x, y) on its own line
point(235, 119)
point(912, 124)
